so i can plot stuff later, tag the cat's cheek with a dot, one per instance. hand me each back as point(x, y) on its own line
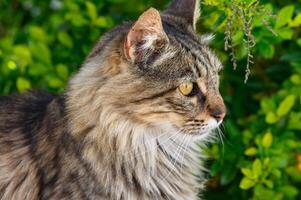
point(154, 119)
point(211, 124)
point(166, 122)
point(174, 120)
point(178, 120)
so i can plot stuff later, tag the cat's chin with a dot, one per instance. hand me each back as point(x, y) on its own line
point(204, 136)
point(208, 132)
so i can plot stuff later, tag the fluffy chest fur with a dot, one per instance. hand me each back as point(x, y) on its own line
point(160, 166)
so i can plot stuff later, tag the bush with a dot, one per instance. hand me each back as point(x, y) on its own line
point(42, 43)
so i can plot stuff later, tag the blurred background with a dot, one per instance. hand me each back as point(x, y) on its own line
point(42, 43)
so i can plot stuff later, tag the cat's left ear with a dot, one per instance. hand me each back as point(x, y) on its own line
point(189, 10)
point(145, 37)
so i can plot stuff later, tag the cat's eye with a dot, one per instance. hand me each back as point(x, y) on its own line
point(186, 88)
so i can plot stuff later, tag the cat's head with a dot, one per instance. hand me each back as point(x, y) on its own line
point(158, 72)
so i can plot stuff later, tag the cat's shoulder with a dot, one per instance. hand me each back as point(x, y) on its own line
point(20, 109)
point(25, 102)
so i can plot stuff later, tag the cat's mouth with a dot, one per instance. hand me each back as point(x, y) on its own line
point(198, 128)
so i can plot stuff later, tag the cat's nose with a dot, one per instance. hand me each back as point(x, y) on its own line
point(218, 114)
point(218, 111)
point(216, 108)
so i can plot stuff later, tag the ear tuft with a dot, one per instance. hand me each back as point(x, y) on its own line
point(186, 9)
point(145, 35)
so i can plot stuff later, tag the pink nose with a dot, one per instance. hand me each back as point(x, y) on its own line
point(218, 111)
point(217, 114)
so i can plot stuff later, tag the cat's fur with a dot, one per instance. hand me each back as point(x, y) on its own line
point(122, 130)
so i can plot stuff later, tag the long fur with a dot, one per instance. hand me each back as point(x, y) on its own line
point(122, 130)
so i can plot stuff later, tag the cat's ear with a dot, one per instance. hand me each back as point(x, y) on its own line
point(187, 9)
point(145, 36)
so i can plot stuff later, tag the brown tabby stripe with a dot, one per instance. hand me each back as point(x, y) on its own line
point(155, 96)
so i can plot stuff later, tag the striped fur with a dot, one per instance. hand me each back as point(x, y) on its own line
point(122, 130)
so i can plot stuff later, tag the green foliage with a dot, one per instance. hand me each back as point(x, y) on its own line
point(42, 43)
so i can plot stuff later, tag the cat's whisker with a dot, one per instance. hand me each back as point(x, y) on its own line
point(177, 153)
point(173, 158)
point(183, 144)
point(131, 150)
point(222, 130)
point(177, 135)
point(220, 135)
point(185, 151)
point(132, 154)
point(136, 154)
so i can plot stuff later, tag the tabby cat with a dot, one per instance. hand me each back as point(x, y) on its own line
point(130, 121)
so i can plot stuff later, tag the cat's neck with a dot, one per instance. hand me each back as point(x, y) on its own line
point(142, 162)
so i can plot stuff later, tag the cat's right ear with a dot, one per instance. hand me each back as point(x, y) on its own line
point(145, 37)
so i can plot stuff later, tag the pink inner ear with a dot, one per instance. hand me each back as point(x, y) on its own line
point(148, 24)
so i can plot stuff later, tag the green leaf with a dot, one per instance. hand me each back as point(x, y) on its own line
point(271, 118)
point(285, 33)
point(54, 82)
point(267, 105)
point(269, 183)
point(62, 71)
point(71, 5)
point(215, 168)
point(296, 22)
point(247, 172)
point(220, 20)
point(22, 55)
point(38, 34)
point(23, 84)
point(65, 39)
point(101, 22)
point(294, 121)
point(286, 105)
point(211, 2)
point(289, 191)
point(266, 162)
point(256, 168)
point(296, 79)
point(104, 22)
point(252, 151)
point(276, 173)
point(118, 1)
point(267, 140)
point(37, 69)
point(11, 65)
point(299, 41)
point(41, 52)
point(266, 49)
point(285, 16)
point(292, 56)
point(246, 183)
point(92, 11)
point(77, 19)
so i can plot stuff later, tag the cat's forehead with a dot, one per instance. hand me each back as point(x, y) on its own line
point(187, 56)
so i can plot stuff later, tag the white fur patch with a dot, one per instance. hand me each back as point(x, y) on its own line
point(149, 41)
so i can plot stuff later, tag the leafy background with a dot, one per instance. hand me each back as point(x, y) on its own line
point(42, 43)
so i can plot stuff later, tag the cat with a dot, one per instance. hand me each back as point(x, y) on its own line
point(128, 126)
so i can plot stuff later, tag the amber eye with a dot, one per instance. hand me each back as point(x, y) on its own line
point(186, 88)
